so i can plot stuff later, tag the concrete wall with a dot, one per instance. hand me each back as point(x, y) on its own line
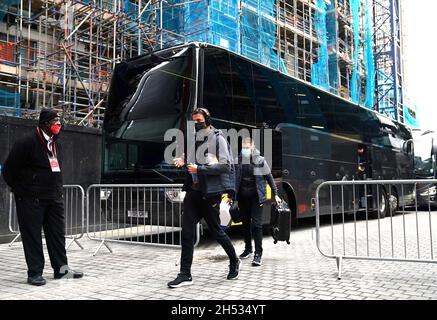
point(81, 154)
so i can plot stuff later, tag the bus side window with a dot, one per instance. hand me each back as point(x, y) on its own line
point(270, 147)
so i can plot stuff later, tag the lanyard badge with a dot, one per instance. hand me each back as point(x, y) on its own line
point(53, 160)
point(54, 164)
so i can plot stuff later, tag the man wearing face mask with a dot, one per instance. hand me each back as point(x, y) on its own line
point(252, 176)
point(33, 170)
point(205, 183)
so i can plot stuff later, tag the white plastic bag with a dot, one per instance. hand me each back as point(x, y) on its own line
point(225, 216)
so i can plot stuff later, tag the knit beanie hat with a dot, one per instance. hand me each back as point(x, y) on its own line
point(46, 115)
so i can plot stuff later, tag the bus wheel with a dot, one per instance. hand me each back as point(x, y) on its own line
point(393, 201)
point(106, 210)
point(381, 206)
point(288, 196)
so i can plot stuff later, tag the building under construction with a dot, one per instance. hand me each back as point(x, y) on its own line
point(60, 53)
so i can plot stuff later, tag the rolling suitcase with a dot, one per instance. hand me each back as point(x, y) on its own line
point(281, 222)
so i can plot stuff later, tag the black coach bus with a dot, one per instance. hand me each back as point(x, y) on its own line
point(317, 136)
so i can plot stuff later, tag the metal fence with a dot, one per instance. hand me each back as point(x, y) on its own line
point(74, 205)
point(12, 220)
point(385, 220)
point(143, 214)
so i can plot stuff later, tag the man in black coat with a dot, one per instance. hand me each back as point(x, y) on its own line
point(204, 185)
point(33, 170)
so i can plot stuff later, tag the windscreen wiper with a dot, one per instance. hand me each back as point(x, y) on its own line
point(155, 58)
point(150, 59)
point(162, 175)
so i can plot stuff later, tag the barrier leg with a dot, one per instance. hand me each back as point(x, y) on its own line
point(199, 232)
point(74, 241)
point(15, 239)
point(339, 266)
point(100, 245)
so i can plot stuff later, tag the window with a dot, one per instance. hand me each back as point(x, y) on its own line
point(268, 93)
point(228, 88)
point(423, 162)
point(148, 96)
point(314, 108)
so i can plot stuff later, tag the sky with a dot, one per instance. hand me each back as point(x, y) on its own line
point(420, 54)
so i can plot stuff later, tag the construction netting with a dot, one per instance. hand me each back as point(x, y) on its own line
point(251, 33)
point(258, 31)
point(369, 62)
point(4, 5)
point(9, 104)
point(320, 67)
point(410, 117)
point(214, 21)
point(358, 54)
point(250, 28)
point(332, 41)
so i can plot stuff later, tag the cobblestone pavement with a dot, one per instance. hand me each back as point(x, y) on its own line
point(289, 272)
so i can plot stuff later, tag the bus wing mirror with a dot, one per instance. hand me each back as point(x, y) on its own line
point(408, 147)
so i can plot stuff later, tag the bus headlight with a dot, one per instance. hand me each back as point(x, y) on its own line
point(175, 195)
point(432, 191)
point(105, 194)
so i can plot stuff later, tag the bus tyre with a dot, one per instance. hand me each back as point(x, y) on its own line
point(106, 211)
point(289, 199)
point(393, 201)
point(381, 206)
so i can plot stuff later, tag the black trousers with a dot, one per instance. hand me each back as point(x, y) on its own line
point(196, 208)
point(33, 216)
point(251, 216)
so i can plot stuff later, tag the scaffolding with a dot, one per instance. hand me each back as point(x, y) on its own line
point(326, 43)
point(389, 98)
point(60, 53)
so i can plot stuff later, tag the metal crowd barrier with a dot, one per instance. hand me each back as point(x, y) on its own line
point(377, 220)
point(74, 205)
point(147, 214)
point(12, 220)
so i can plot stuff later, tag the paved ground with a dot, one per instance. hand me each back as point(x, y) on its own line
point(292, 272)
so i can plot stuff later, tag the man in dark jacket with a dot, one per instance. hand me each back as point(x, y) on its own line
point(204, 185)
point(252, 175)
point(33, 170)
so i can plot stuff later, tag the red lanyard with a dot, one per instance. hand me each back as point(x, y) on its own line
point(44, 144)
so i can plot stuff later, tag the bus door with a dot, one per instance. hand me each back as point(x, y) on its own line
point(366, 193)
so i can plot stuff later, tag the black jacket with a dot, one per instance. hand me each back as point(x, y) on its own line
point(27, 169)
point(215, 178)
point(261, 179)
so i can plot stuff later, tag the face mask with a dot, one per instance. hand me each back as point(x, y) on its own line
point(55, 129)
point(199, 126)
point(246, 152)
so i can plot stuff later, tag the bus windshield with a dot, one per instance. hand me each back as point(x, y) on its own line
point(147, 96)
